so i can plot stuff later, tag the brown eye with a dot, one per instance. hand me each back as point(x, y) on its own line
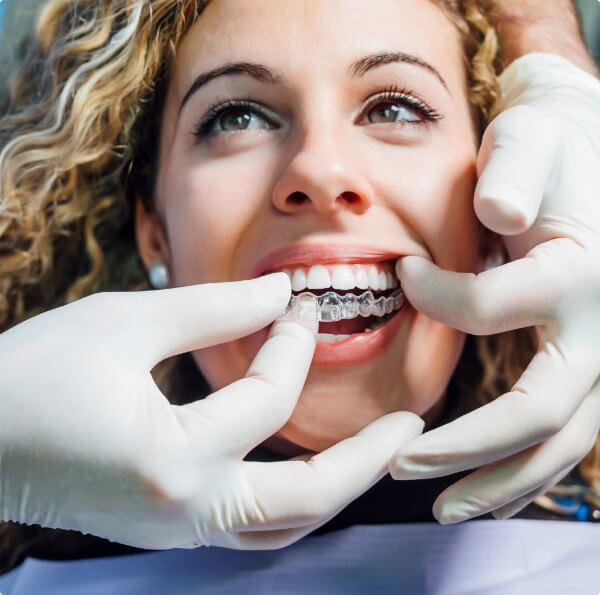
point(236, 119)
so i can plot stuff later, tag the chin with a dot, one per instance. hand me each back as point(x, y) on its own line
point(410, 373)
point(335, 405)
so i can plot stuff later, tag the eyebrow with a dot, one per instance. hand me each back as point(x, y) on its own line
point(363, 65)
point(264, 74)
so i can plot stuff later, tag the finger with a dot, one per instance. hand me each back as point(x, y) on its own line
point(291, 494)
point(168, 322)
point(474, 497)
point(518, 153)
point(522, 475)
point(250, 410)
point(513, 508)
point(515, 295)
point(269, 540)
point(540, 405)
point(273, 539)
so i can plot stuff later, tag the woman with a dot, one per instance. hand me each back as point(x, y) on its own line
point(311, 150)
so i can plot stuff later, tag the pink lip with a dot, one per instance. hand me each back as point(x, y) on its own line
point(357, 349)
point(306, 253)
point(361, 347)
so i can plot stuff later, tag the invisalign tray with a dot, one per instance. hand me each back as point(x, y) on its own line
point(333, 307)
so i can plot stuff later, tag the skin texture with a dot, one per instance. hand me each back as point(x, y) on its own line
point(526, 26)
point(227, 201)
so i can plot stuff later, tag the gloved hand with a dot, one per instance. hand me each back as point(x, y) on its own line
point(88, 442)
point(539, 185)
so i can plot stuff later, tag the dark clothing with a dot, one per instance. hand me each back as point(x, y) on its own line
point(390, 501)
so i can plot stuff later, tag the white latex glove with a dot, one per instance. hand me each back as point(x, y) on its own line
point(88, 442)
point(539, 170)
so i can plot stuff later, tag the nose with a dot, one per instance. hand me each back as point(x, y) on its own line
point(323, 175)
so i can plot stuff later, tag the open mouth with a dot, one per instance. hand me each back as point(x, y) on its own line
point(352, 299)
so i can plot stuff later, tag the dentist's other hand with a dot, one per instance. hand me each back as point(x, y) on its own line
point(539, 185)
point(88, 441)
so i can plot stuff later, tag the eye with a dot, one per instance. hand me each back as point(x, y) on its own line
point(399, 107)
point(393, 112)
point(233, 116)
point(238, 119)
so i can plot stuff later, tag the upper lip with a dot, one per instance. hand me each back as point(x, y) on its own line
point(303, 253)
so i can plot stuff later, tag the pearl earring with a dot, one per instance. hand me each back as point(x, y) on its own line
point(159, 276)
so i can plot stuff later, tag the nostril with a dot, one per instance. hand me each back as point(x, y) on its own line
point(351, 197)
point(298, 197)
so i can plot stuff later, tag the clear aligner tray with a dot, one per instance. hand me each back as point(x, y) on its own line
point(333, 306)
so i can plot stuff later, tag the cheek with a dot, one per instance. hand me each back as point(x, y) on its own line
point(431, 190)
point(429, 361)
point(221, 364)
point(210, 210)
point(450, 226)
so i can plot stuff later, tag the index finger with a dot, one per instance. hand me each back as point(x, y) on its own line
point(250, 410)
point(539, 405)
point(518, 152)
point(301, 493)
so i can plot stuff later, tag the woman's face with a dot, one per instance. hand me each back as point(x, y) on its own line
point(355, 145)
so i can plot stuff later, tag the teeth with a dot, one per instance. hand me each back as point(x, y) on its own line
point(327, 338)
point(342, 277)
point(299, 280)
point(377, 277)
point(361, 278)
point(365, 304)
point(373, 278)
point(318, 277)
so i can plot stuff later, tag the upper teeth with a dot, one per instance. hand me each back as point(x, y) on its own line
point(378, 277)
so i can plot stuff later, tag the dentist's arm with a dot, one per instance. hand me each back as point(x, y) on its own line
point(526, 26)
point(88, 441)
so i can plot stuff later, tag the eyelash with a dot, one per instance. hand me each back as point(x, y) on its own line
point(390, 95)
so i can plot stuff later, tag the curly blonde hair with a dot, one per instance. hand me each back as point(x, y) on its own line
point(78, 147)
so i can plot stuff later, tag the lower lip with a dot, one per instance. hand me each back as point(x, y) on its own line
point(361, 347)
point(356, 349)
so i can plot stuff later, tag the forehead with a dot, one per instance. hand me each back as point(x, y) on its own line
point(304, 38)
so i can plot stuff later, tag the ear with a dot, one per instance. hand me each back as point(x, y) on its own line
point(151, 237)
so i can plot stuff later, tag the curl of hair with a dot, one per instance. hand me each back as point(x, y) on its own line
point(78, 146)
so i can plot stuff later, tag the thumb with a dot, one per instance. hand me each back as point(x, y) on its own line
point(168, 322)
point(435, 292)
point(505, 298)
point(518, 153)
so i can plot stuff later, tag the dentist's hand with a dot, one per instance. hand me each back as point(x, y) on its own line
point(88, 442)
point(539, 186)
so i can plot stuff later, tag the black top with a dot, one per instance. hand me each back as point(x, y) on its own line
point(391, 501)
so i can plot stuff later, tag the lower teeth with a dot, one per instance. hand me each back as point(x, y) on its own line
point(328, 338)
